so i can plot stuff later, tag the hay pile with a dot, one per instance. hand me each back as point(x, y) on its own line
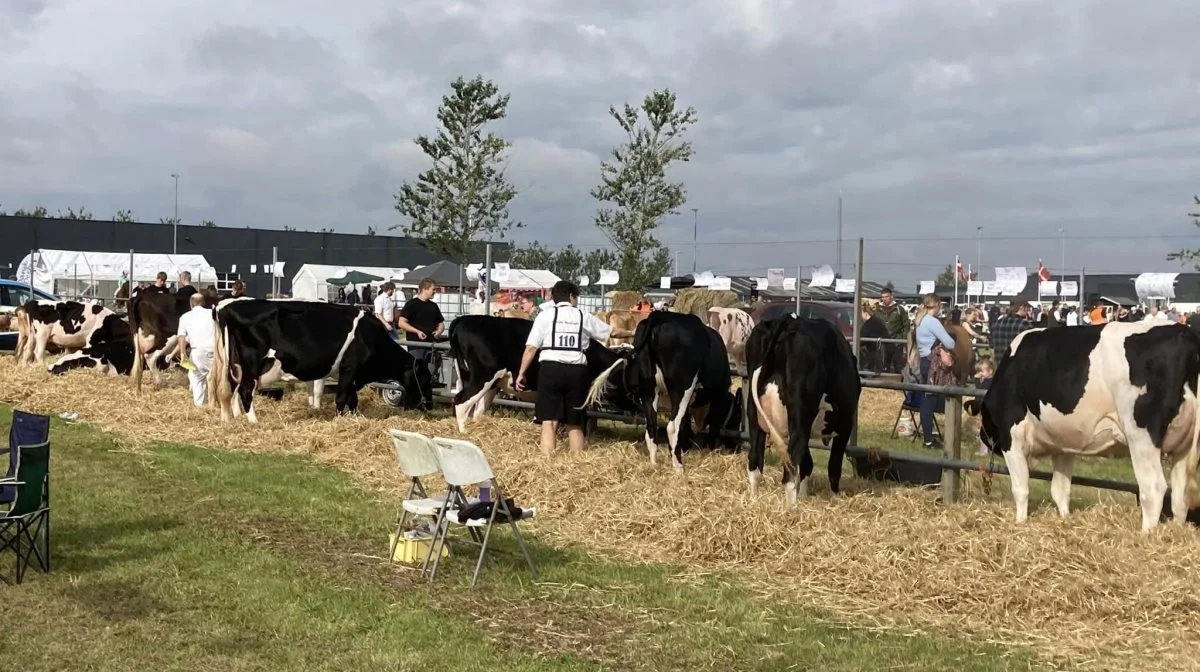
point(697, 301)
point(1091, 588)
point(625, 300)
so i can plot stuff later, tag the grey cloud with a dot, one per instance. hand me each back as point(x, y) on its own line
point(933, 117)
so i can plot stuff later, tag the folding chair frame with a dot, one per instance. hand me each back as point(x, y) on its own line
point(20, 532)
point(443, 531)
point(912, 415)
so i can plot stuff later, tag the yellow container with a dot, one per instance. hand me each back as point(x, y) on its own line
point(413, 551)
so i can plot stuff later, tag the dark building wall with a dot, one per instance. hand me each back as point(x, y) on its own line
point(222, 247)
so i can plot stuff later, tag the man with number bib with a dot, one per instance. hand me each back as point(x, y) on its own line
point(559, 338)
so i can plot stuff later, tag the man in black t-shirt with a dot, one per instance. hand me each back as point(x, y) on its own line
point(421, 318)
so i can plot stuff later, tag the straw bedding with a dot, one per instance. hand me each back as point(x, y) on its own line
point(1090, 589)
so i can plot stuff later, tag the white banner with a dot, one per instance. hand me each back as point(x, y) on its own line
point(775, 277)
point(583, 281)
point(1048, 288)
point(277, 269)
point(1011, 280)
point(975, 287)
point(233, 268)
point(702, 279)
point(608, 278)
point(762, 283)
point(789, 284)
point(926, 287)
point(473, 271)
point(822, 276)
point(991, 288)
point(1155, 285)
point(664, 282)
point(844, 285)
point(720, 284)
point(500, 272)
point(1068, 288)
point(253, 268)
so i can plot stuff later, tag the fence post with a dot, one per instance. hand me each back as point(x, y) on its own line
point(856, 331)
point(487, 295)
point(951, 478)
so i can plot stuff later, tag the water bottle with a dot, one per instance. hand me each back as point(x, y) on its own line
point(485, 492)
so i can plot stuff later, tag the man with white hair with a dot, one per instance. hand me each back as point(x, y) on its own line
point(196, 335)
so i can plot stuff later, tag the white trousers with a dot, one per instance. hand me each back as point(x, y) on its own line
point(202, 359)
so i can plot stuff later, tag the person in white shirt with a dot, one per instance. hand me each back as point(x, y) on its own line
point(559, 338)
point(196, 334)
point(385, 309)
point(1154, 314)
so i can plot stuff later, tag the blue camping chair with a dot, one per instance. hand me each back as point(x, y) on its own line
point(27, 429)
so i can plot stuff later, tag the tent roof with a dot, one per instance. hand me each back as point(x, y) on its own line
point(322, 272)
point(529, 279)
point(445, 273)
point(64, 264)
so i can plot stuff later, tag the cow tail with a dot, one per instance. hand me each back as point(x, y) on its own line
point(216, 370)
point(138, 357)
point(758, 403)
point(597, 388)
point(24, 333)
point(1193, 459)
point(224, 390)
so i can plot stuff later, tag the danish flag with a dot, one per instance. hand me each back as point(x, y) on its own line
point(962, 272)
point(1043, 272)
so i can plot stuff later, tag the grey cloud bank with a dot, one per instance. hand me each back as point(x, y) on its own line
point(932, 117)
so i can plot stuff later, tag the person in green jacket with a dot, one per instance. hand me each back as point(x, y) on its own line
point(895, 319)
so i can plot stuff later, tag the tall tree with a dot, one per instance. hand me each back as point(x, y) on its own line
point(123, 216)
point(635, 184)
point(568, 263)
point(465, 194)
point(534, 255)
point(1185, 256)
point(595, 260)
point(946, 277)
point(38, 212)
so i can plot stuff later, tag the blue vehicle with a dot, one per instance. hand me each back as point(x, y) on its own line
point(13, 294)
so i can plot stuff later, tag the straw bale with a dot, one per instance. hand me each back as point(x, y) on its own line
point(625, 300)
point(1089, 590)
point(697, 301)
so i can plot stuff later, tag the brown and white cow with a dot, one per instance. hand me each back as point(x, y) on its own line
point(153, 321)
point(624, 323)
point(734, 325)
point(63, 324)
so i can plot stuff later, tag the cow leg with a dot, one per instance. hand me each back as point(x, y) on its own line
point(1060, 482)
point(680, 405)
point(758, 443)
point(1152, 485)
point(316, 389)
point(1018, 472)
point(246, 398)
point(1181, 482)
point(799, 431)
point(842, 423)
point(43, 342)
point(650, 410)
point(472, 394)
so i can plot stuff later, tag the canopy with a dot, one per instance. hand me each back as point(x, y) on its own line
point(444, 273)
point(64, 265)
point(354, 278)
point(529, 279)
point(312, 281)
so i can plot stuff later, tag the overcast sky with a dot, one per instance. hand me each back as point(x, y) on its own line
point(933, 117)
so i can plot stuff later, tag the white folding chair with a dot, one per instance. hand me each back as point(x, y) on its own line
point(463, 463)
point(418, 458)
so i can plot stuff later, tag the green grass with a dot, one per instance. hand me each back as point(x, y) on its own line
point(183, 558)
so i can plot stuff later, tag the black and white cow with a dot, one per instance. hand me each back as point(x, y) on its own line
point(259, 342)
point(487, 353)
point(63, 324)
point(675, 359)
point(109, 349)
point(1122, 388)
point(802, 372)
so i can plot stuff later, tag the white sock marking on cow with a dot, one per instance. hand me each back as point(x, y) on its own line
point(652, 448)
point(466, 409)
point(316, 389)
point(790, 490)
point(1018, 471)
point(1060, 482)
point(802, 490)
point(251, 417)
point(1147, 468)
point(755, 477)
point(674, 426)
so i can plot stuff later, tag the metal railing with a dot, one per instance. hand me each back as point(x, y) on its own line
point(950, 462)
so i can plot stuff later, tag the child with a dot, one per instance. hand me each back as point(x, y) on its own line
point(984, 370)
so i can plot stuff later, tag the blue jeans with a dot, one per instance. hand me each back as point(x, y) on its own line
point(929, 404)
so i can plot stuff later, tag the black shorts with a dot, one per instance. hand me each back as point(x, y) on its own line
point(561, 390)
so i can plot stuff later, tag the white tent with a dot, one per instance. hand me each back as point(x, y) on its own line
point(311, 281)
point(529, 279)
point(87, 269)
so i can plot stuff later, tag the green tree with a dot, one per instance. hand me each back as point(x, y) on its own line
point(635, 184)
point(595, 260)
point(465, 194)
point(208, 222)
point(38, 212)
point(946, 277)
point(568, 263)
point(169, 220)
point(1184, 256)
point(534, 255)
point(123, 216)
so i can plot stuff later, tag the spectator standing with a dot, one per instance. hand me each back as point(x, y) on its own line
point(928, 331)
point(1007, 327)
point(895, 319)
point(385, 309)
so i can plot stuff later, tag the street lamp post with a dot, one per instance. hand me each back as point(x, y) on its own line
point(695, 231)
point(175, 220)
point(979, 250)
point(1063, 259)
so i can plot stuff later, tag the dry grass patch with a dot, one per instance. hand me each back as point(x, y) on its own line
point(1088, 587)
